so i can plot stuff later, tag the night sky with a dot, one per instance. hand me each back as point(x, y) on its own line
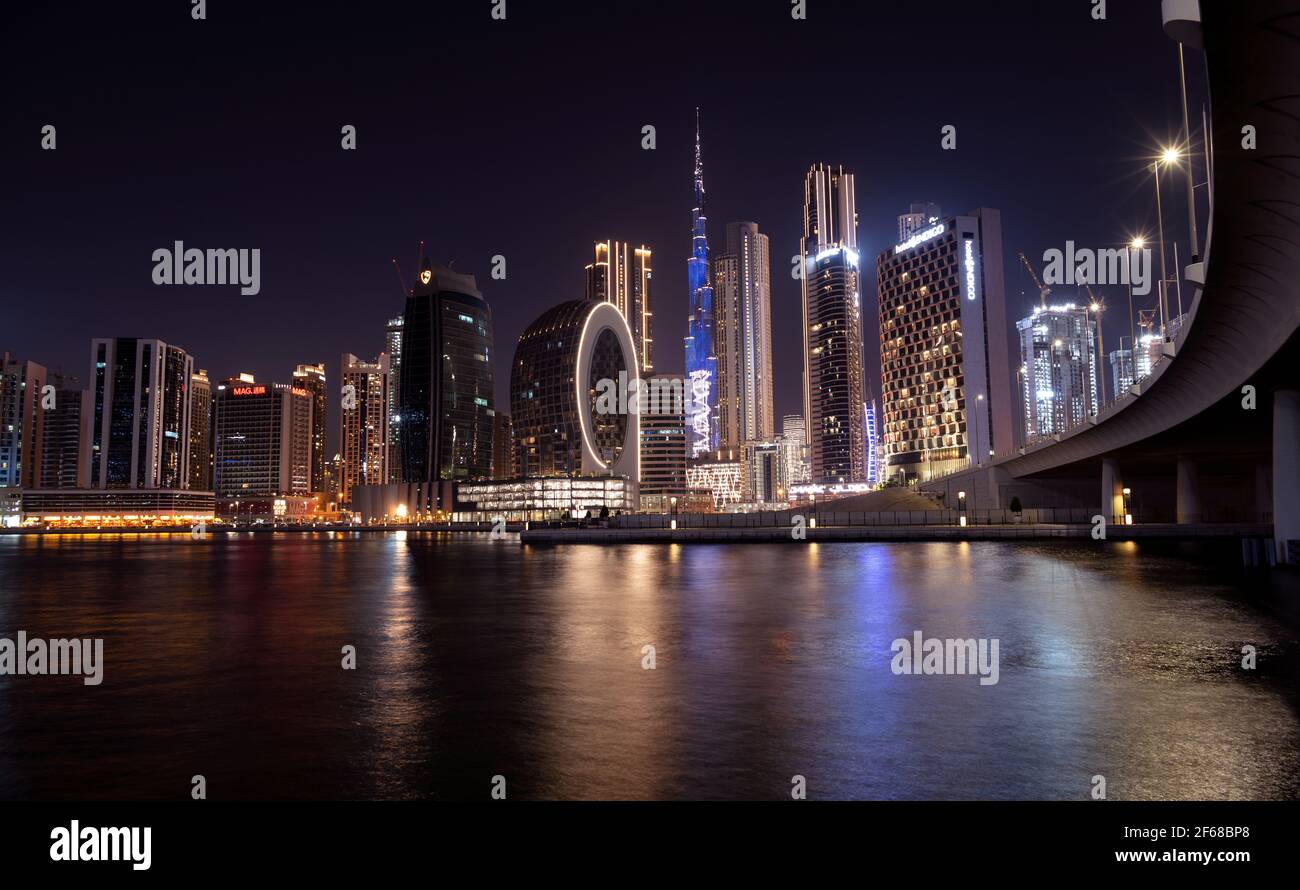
point(523, 138)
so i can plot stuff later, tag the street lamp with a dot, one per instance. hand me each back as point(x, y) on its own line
point(1128, 513)
point(961, 508)
point(1167, 157)
point(1137, 243)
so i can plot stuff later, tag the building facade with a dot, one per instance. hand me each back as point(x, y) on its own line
point(621, 274)
point(61, 435)
point(946, 397)
point(139, 407)
point(701, 349)
point(262, 441)
point(664, 449)
point(21, 422)
point(555, 381)
point(363, 423)
point(832, 326)
point(919, 216)
point(742, 291)
point(503, 447)
point(200, 432)
point(446, 385)
point(794, 440)
point(312, 379)
point(393, 345)
point(1058, 369)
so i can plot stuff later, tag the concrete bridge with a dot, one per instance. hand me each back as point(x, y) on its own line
point(1191, 446)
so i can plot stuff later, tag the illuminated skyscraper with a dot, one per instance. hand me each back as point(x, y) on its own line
point(139, 415)
point(446, 386)
point(743, 295)
point(312, 379)
point(393, 340)
point(262, 434)
point(200, 432)
point(1058, 369)
point(620, 274)
point(945, 362)
point(701, 354)
point(363, 423)
point(21, 422)
point(832, 327)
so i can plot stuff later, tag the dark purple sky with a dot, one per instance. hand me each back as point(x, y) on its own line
point(522, 138)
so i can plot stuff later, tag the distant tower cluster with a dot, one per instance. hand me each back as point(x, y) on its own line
point(1058, 370)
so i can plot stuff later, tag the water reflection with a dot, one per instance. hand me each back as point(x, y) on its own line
point(477, 657)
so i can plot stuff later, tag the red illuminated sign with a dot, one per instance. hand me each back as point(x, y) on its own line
point(248, 391)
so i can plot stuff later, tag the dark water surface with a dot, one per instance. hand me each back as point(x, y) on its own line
point(479, 657)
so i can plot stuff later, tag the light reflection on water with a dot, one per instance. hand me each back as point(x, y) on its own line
point(479, 657)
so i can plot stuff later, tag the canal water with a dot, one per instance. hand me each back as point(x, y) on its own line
point(641, 671)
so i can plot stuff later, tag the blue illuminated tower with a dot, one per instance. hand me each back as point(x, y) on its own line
point(701, 357)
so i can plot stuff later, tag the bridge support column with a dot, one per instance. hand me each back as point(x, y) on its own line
point(1286, 469)
point(1263, 492)
point(1188, 509)
point(1112, 491)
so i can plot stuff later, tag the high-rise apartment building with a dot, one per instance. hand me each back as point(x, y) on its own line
point(664, 446)
point(200, 431)
point(312, 379)
point(832, 327)
point(139, 408)
point(1058, 370)
point(21, 422)
point(363, 423)
point(919, 216)
point(621, 274)
point(701, 349)
point(946, 397)
point(61, 434)
point(393, 342)
point(262, 441)
point(742, 292)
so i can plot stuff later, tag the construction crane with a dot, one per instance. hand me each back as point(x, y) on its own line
point(1043, 290)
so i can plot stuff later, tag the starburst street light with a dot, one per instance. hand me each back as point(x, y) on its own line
point(1170, 156)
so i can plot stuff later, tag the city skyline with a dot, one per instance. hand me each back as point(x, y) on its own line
point(313, 279)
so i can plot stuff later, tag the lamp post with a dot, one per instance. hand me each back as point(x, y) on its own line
point(961, 508)
point(1137, 243)
point(1187, 140)
point(1160, 228)
point(1096, 308)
